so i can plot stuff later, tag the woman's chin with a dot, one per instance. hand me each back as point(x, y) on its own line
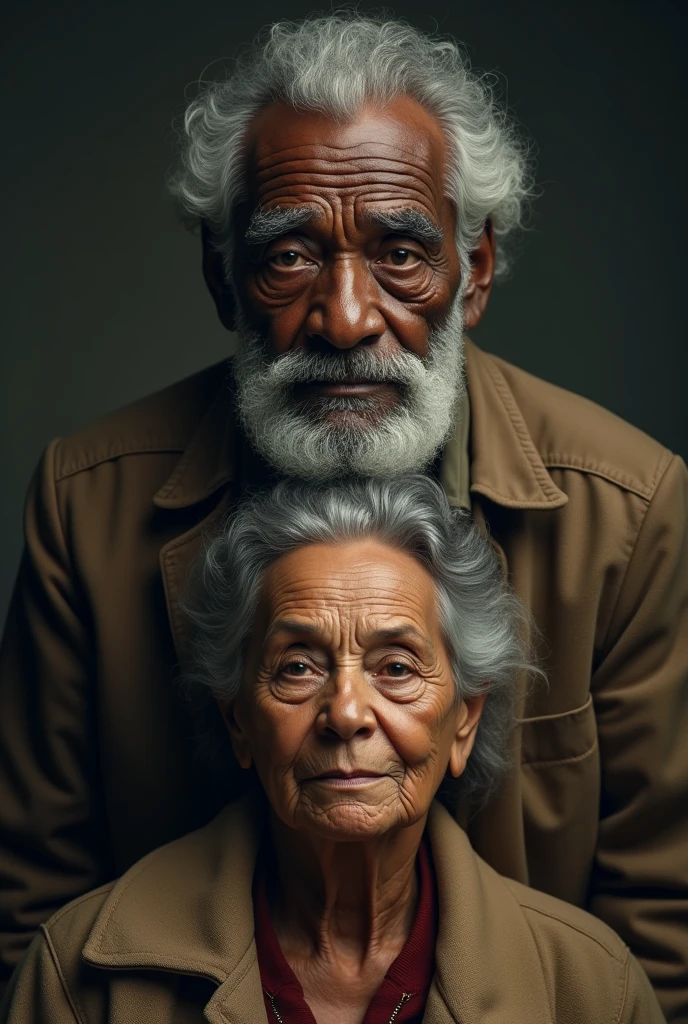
point(349, 819)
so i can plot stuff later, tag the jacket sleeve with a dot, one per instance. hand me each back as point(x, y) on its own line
point(640, 689)
point(37, 993)
point(49, 833)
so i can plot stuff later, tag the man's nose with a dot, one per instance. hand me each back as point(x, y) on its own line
point(343, 311)
point(346, 711)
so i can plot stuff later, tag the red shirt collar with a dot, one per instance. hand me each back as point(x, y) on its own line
point(411, 973)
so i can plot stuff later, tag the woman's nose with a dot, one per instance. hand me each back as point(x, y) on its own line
point(346, 711)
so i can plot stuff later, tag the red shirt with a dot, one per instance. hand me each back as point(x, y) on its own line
point(405, 986)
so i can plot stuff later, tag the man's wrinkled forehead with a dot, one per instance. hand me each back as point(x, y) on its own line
point(385, 155)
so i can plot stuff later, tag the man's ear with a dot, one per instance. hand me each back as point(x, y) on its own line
point(477, 293)
point(238, 738)
point(214, 276)
point(467, 719)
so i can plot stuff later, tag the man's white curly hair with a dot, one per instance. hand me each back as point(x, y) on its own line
point(335, 64)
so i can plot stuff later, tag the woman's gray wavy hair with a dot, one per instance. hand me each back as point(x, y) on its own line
point(483, 623)
point(335, 64)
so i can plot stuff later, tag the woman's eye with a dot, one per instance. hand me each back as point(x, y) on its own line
point(287, 259)
point(397, 669)
point(296, 668)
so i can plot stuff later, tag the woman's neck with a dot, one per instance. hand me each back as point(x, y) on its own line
point(344, 901)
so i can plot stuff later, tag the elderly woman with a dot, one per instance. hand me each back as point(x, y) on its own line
point(362, 649)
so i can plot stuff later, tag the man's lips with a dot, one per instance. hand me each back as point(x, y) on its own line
point(344, 388)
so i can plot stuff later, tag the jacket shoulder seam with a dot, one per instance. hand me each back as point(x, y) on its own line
point(553, 460)
point(89, 460)
point(78, 1016)
point(618, 957)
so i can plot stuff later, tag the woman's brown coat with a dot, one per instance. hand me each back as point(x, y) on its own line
point(172, 942)
point(97, 762)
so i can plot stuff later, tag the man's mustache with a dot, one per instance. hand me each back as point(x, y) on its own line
point(303, 367)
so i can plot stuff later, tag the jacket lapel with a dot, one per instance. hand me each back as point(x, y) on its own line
point(203, 477)
point(488, 969)
point(187, 907)
point(240, 998)
point(177, 561)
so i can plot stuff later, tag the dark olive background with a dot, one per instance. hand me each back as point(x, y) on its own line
point(102, 295)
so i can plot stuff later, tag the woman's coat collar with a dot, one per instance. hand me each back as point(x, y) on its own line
point(187, 908)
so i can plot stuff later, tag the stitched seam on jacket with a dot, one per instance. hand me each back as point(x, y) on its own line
point(203, 966)
point(78, 1016)
point(561, 760)
point(550, 998)
point(558, 715)
point(58, 915)
point(624, 989)
point(574, 927)
point(547, 486)
point(634, 548)
point(627, 483)
point(133, 873)
point(249, 964)
point(115, 451)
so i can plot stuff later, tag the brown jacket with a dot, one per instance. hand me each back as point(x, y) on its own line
point(173, 941)
point(97, 762)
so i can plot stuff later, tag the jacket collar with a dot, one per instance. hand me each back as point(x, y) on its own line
point(187, 908)
point(505, 464)
point(210, 459)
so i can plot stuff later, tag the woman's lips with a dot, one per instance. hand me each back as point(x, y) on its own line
point(341, 779)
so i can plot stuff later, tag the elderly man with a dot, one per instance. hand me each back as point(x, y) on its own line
point(356, 187)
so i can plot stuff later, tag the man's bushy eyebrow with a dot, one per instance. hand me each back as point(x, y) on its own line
point(265, 225)
point(408, 221)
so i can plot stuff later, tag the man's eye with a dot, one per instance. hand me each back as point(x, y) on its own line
point(287, 259)
point(400, 257)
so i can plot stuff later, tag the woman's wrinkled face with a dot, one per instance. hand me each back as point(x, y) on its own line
point(347, 707)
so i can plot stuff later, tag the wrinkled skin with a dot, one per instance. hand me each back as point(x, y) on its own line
point(348, 711)
point(341, 279)
point(330, 687)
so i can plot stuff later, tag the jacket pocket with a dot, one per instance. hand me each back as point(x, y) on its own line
point(560, 788)
point(553, 739)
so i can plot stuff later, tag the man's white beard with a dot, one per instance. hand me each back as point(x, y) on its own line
point(299, 441)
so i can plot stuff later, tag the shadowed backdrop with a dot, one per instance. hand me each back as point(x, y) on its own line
point(102, 296)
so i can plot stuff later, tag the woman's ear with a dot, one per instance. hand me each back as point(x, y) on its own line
point(238, 738)
point(467, 719)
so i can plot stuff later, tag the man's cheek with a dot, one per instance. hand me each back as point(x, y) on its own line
point(283, 325)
